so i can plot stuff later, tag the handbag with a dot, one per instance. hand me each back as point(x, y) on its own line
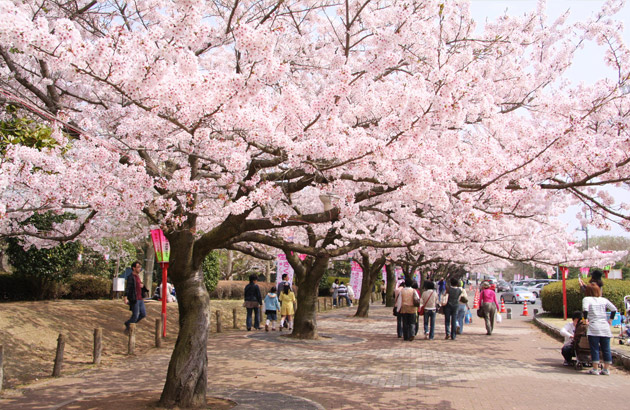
point(480, 312)
point(395, 311)
point(416, 303)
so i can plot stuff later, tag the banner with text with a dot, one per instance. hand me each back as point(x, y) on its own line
point(356, 279)
point(283, 266)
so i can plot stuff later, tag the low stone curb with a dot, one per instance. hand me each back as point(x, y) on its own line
point(618, 357)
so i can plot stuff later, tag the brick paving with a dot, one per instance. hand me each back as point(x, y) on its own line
point(363, 365)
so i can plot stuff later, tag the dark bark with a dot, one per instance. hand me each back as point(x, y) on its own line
point(391, 285)
point(371, 271)
point(186, 380)
point(308, 277)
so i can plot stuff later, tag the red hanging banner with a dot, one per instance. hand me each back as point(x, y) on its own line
point(162, 254)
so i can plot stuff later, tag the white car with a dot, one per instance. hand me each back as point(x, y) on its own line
point(519, 294)
point(536, 289)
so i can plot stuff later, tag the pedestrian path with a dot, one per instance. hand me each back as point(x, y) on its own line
point(361, 364)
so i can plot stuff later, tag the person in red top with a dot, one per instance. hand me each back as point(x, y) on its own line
point(489, 305)
point(133, 296)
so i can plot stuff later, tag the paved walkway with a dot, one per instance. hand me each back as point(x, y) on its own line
point(364, 365)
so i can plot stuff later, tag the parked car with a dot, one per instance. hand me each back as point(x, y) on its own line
point(519, 294)
point(536, 289)
point(503, 286)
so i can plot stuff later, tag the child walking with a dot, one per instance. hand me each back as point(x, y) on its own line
point(272, 306)
point(287, 297)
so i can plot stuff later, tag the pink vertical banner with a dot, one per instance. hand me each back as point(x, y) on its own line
point(356, 279)
point(283, 266)
point(384, 275)
point(584, 271)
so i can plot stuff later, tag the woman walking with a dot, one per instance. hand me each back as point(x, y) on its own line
point(428, 303)
point(287, 300)
point(488, 302)
point(599, 334)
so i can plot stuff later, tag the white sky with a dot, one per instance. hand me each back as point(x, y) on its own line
point(588, 67)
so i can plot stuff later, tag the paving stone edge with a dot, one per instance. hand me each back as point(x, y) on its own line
point(618, 357)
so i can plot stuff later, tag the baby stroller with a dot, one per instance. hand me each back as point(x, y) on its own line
point(581, 347)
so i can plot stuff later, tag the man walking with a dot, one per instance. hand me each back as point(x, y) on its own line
point(133, 296)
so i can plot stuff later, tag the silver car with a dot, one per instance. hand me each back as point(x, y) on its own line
point(536, 289)
point(519, 294)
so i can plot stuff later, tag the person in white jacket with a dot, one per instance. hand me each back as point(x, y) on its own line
point(350, 294)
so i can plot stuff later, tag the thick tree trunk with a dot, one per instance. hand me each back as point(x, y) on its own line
point(305, 322)
point(371, 272)
point(366, 292)
point(391, 285)
point(186, 380)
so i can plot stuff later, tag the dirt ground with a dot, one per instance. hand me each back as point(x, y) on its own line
point(29, 333)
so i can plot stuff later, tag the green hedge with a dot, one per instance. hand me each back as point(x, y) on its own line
point(89, 287)
point(551, 295)
point(235, 289)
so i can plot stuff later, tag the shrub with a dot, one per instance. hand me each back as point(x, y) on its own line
point(235, 289)
point(14, 287)
point(211, 271)
point(551, 295)
point(89, 287)
point(47, 269)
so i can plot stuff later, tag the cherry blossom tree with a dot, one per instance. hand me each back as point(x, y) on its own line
point(211, 119)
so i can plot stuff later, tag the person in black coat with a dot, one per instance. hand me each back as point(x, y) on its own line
point(253, 301)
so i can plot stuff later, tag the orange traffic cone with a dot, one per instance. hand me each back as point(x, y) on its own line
point(476, 302)
point(503, 306)
point(525, 309)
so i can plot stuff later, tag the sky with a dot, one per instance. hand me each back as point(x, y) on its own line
point(587, 68)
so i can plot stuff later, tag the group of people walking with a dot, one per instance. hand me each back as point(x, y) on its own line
point(281, 299)
point(451, 300)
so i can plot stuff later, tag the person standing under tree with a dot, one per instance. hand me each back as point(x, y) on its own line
point(599, 333)
point(334, 288)
point(253, 300)
point(133, 296)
